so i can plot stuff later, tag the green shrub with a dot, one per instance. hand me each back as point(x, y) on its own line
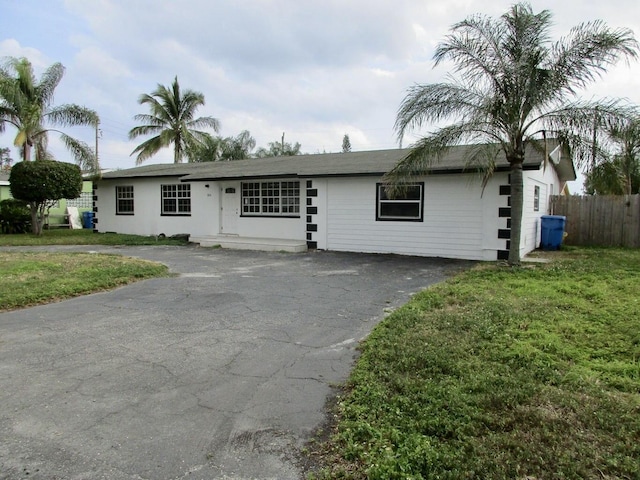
point(15, 216)
point(41, 183)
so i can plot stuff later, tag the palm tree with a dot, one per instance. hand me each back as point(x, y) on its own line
point(25, 103)
point(238, 147)
point(515, 86)
point(171, 121)
point(214, 149)
point(618, 174)
point(279, 149)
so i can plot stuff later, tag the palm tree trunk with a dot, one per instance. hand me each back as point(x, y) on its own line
point(516, 210)
point(26, 152)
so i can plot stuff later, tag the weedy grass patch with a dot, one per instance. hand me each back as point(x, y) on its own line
point(34, 278)
point(501, 373)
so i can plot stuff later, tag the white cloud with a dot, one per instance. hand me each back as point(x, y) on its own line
point(315, 69)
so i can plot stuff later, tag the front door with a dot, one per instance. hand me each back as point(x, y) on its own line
point(230, 206)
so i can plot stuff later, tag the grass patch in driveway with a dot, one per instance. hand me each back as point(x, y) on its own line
point(501, 373)
point(35, 278)
point(83, 237)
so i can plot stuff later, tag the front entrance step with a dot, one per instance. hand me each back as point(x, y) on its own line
point(248, 243)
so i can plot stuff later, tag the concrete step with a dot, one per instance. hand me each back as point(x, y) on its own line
point(249, 243)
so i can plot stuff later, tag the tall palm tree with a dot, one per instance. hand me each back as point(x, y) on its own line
point(26, 103)
point(171, 121)
point(515, 86)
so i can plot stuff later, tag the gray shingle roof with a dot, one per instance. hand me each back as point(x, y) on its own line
point(317, 165)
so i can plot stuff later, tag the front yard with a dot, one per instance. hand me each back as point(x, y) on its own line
point(32, 278)
point(532, 373)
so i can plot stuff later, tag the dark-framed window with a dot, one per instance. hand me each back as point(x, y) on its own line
point(407, 205)
point(536, 199)
point(176, 199)
point(271, 198)
point(124, 200)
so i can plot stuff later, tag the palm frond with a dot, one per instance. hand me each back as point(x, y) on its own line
point(584, 55)
point(432, 103)
point(72, 115)
point(82, 153)
point(49, 82)
point(200, 122)
point(145, 130)
point(148, 148)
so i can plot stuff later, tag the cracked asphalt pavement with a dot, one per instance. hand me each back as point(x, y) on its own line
point(221, 372)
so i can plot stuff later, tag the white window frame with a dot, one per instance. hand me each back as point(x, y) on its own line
point(125, 193)
point(271, 198)
point(175, 199)
point(408, 199)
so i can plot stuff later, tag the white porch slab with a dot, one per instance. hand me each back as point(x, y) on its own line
point(249, 243)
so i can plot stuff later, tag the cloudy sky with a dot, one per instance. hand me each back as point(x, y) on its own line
point(313, 69)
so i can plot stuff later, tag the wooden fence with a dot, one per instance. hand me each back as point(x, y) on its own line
point(600, 220)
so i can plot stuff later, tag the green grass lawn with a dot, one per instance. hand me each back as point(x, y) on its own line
point(34, 278)
point(500, 373)
point(82, 237)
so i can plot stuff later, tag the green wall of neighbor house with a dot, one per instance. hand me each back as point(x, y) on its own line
point(84, 202)
point(5, 192)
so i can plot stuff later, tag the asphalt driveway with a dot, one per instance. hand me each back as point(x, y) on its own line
point(220, 372)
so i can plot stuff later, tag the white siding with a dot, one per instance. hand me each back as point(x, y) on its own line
point(548, 182)
point(453, 224)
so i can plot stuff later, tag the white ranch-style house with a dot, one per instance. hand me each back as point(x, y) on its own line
point(333, 202)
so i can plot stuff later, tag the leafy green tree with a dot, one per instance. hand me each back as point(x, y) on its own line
point(26, 104)
point(514, 86)
point(41, 184)
point(346, 144)
point(172, 121)
point(619, 174)
point(279, 149)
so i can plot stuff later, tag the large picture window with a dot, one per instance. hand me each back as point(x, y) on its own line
point(406, 206)
point(273, 198)
point(176, 199)
point(124, 200)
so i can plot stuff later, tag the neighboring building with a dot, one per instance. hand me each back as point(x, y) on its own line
point(5, 191)
point(57, 213)
point(333, 202)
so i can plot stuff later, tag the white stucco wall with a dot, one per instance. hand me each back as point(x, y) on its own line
point(205, 218)
point(459, 222)
point(147, 218)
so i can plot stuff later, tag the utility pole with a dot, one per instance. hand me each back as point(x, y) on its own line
point(282, 143)
point(98, 132)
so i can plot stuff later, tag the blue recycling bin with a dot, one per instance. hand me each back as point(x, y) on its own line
point(87, 219)
point(552, 231)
